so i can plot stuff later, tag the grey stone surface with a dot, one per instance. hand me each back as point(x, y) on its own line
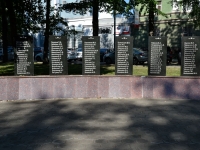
point(100, 124)
point(54, 87)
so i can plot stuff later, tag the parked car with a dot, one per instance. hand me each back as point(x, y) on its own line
point(79, 53)
point(169, 55)
point(103, 51)
point(176, 55)
point(10, 52)
point(139, 57)
point(71, 55)
point(109, 58)
point(37, 50)
point(39, 57)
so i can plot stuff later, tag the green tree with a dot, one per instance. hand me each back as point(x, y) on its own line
point(4, 31)
point(17, 17)
point(27, 16)
point(46, 40)
point(146, 7)
point(194, 6)
point(24, 16)
point(51, 22)
point(97, 6)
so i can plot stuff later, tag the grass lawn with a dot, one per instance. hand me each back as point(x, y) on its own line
point(7, 69)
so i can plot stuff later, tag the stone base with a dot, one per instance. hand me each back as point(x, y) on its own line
point(55, 87)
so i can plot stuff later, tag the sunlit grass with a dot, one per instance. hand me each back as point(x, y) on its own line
point(140, 70)
point(173, 71)
point(107, 70)
point(7, 69)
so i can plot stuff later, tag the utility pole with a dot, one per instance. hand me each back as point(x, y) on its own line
point(74, 33)
point(46, 40)
point(151, 18)
point(114, 27)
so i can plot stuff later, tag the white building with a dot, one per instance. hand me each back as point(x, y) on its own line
point(83, 25)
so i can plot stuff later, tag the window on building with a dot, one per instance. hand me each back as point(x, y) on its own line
point(188, 8)
point(159, 5)
point(175, 5)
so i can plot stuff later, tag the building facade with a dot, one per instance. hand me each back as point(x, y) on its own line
point(83, 26)
point(175, 25)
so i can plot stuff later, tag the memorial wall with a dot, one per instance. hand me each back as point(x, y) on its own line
point(91, 55)
point(157, 56)
point(124, 55)
point(58, 55)
point(190, 65)
point(24, 63)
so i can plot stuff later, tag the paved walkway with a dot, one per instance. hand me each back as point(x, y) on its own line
point(114, 124)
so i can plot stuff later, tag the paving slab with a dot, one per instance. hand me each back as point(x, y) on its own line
point(100, 124)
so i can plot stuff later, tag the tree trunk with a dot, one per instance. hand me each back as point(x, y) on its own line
point(4, 32)
point(46, 41)
point(151, 19)
point(12, 19)
point(95, 19)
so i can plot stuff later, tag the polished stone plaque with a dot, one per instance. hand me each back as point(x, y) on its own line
point(91, 55)
point(190, 56)
point(124, 55)
point(24, 61)
point(157, 56)
point(58, 64)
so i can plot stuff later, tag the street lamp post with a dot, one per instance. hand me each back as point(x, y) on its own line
point(114, 14)
point(73, 28)
point(74, 42)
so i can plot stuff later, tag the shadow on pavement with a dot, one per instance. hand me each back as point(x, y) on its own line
point(100, 124)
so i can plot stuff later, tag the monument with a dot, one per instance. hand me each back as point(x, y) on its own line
point(24, 61)
point(190, 56)
point(58, 64)
point(157, 56)
point(91, 55)
point(124, 55)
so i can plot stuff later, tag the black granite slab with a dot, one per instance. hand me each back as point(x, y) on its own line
point(58, 64)
point(91, 55)
point(157, 56)
point(190, 56)
point(124, 55)
point(24, 61)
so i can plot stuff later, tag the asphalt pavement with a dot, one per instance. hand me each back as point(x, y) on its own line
point(100, 124)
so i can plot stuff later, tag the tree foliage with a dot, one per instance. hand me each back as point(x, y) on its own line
point(19, 17)
point(52, 22)
point(145, 7)
point(194, 7)
point(121, 7)
point(28, 16)
point(97, 6)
